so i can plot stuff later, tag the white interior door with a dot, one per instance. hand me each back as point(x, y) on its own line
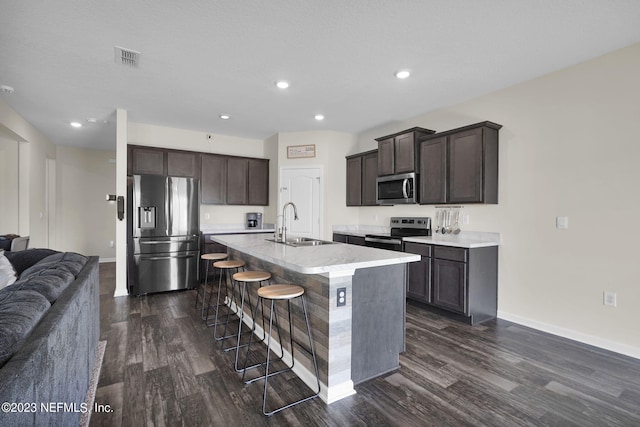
point(302, 187)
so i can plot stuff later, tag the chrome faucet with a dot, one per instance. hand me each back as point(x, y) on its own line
point(284, 219)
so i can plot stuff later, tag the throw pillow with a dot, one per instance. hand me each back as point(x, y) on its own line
point(7, 274)
point(21, 260)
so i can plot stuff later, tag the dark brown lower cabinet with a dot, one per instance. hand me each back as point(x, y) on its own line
point(459, 282)
point(419, 280)
point(449, 285)
point(356, 240)
point(348, 238)
point(339, 237)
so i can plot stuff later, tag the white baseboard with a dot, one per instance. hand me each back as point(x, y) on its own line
point(106, 260)
point(616, 347)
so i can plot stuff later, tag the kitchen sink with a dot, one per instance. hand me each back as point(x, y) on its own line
point(303, 241)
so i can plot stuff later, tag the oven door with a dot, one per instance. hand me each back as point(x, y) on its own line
point(389, 243)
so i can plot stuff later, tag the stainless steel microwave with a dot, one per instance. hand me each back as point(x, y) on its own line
point(397, 189)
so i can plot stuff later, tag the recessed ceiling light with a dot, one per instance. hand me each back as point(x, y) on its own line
point(7, 89)
point(319, 117)
point(282, 84)
point(76, 124)
point(92, 120)
point(225, 116)
point(403, 74)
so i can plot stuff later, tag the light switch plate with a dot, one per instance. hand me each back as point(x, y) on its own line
point(562, 222)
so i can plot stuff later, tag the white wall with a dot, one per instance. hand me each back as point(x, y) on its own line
point(569, 147)
point(331, 149)
point(86, 220)
point(9, 185)
point(35, 148)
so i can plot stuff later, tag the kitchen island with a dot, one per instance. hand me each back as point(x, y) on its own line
point(355, 342)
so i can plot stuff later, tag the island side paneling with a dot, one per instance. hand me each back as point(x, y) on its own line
point(330, 325)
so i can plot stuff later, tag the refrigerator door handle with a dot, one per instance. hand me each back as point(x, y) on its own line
point(167, 204)
point(170, 206)
point(158, 258)
point(160, 242)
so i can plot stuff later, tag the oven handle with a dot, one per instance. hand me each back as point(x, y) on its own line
point(386, 241)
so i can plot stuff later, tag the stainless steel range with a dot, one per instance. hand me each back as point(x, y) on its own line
point(399, 227)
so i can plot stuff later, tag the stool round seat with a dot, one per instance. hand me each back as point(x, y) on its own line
point(216, 256)
point(229, 264)
point(280, 292)
point(252, 276)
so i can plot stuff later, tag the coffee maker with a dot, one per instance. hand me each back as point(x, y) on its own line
point(254, 220)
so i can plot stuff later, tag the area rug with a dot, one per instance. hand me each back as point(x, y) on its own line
point(93, 384)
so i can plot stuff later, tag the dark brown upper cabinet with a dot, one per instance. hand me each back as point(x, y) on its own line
point(183, 163)
point(397, 153)
point(354, 180)
point(258, 182)
point(237, 181)
point(214, 179)
point(362, 171)
point(146, 160)
point(224, 180)
point(460, 166)
point(247, 181)
point(159, 161)
point(433, 171)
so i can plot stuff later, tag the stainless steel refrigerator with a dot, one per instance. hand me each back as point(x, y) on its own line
point(164, 232)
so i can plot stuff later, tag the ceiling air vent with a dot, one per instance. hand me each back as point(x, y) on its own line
point(127, 57)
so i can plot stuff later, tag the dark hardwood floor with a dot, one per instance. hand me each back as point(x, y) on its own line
point(161, 368)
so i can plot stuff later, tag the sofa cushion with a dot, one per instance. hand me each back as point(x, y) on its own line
point(20, 312)
point(7, 273)
point(50, 282)
point(21, 260)
point(51, 276)
point(70, 261)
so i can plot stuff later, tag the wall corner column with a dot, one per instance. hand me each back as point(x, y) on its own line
point(121, 190)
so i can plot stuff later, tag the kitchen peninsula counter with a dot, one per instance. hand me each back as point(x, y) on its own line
point(322, 259)
point(355, 342)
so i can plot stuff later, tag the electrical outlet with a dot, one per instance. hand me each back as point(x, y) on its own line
point(110, 243)
point(341, 297)
point(610, 299)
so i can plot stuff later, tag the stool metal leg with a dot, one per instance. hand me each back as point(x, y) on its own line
point(204, 294)
point(238, 345)
point(264, 332)
point(229, 310)
point(313, 354)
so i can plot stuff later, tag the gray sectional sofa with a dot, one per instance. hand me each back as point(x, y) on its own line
point(49, 332)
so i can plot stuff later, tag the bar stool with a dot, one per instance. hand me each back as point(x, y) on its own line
point(273, 293)
point(207, 258)
point(246, 277)
point(225, 268)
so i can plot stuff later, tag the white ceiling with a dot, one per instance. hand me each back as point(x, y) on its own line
point(202, 58)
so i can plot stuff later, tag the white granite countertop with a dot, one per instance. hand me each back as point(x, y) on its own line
point(331, 258)
point(466, 239)
point(235, 229)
